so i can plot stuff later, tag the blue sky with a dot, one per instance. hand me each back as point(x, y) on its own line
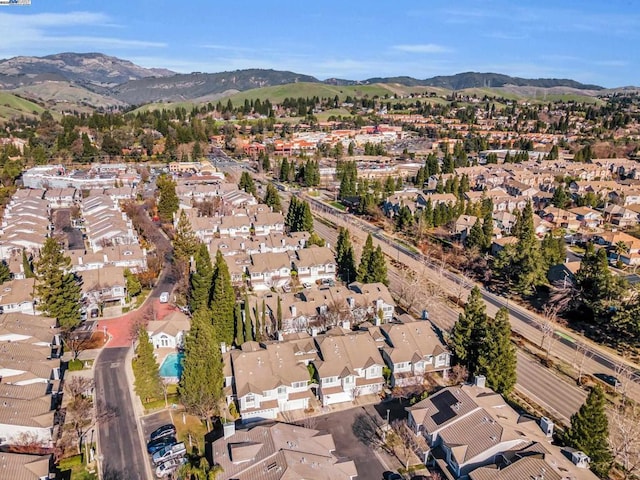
point(587, 40)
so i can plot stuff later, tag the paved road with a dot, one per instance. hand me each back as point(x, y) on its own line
point(123, 458)
point(524, 322)
point(562, 400)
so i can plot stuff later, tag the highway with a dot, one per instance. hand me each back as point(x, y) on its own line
point(534, 381)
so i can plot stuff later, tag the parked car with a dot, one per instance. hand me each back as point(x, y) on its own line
point(286, 288)
point(167, 468)
point(328, 281)
point(391, 476)
point(306, 285)
point(158, 444)
point(168, 430)
point(164, 297)
point(169, 453)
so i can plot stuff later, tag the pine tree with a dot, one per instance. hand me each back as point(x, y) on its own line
point(57, 289)
point(168, 203)
point(26, 265)
point(249, 330)
point(223, 300)
point(291, 219)
point(201, 383)
point(148, 384)
point(487, 229)
point(365, 260)
point(284, 171)
point(468, 330)
point(345, 257)
point(201, 279)
point(497, 358)
point(378, 268)
point(247, 184)
point(559, 198)
point(476, 238)
point(239, 325)
point(185, 242)
point(589, 432)
point(272, 198)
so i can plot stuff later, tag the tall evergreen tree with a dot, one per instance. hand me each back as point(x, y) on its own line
point(57, 288)
point(589, 432)
point(247, 184)
point(306, 220)
point(201, 279)
point(5, 273)
point(249, 330)
point(470, 331)
point(285, 170)
point(147, 383)
point(168, 203)
point(201, 383)
point(378, 267)
point(497, 356)
point(239, 325)
point(223, 300)
point(185, 242)
point(487, 228)
point(345, 257)
point(279, 314)
point(26, 265)
point(365, 260)
point(272, 198)
point(476, 238)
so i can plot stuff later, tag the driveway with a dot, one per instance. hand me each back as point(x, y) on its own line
point(354, 435)
point(120, 448)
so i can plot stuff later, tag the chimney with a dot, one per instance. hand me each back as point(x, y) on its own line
point(352, 302)
point(280, 336)
point(346, 324)
point(314, 331)
point(580, 459)
point(547, 427)
point(479, 381)
point(229, 429)
point(223, 347)
point(293, 310)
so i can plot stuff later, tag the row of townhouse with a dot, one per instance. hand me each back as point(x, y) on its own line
point(29, 379)
point(25, 225)
point(329, 306)
point(469, 431)
point(269, 378)
point(236, 223)
point(105, 224)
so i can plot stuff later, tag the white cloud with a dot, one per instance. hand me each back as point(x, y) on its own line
point(421, 48)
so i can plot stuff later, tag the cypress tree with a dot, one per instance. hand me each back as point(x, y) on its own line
point(239, 325)
point(365, 260)
point(279, 314)
point(497, 359)
point(201, 383)
point(5, 273)
point(26, 265)
point(168, 203)
point(249, 330)
point(57, 289)
point(201, 279)
point(589, 432)
point(223, 299)
point(284, 170)
point(487, 229)
point(247, 184)
point(147, 383)
point(345, 257)
point(291, 218)
point(306, 221)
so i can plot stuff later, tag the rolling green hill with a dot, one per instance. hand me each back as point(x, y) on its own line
point(13, 106)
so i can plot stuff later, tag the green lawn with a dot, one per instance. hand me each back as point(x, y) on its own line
point(338, 205)
point(14, 106)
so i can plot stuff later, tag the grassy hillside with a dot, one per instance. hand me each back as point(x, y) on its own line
point(150, 107)
point(278, 93)
point(13, 106)
point(67, 95)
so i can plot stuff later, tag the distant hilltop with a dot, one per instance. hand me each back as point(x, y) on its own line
point(114, 81)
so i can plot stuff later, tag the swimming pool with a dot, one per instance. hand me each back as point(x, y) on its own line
point(172, 366)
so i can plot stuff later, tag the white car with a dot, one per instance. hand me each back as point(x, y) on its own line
point(164, 297)
point(306, 285)
point(167, 468)
point(169, 453)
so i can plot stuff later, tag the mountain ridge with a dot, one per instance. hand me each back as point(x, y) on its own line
point(132, 84)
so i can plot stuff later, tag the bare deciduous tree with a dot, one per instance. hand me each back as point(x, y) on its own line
point(582, 353)
point(401, 441)
point(624, 437)
point(548, 327)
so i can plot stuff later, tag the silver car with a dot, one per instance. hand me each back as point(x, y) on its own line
point(167, 468)
point(169, 453)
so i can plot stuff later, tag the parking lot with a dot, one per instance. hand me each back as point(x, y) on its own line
point(149, 424)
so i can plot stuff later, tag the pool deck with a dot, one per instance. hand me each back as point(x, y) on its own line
point(162, 353)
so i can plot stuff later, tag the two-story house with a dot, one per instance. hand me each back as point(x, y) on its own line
point(269, 270)
point(413, 349)
point(314, 263)
point(268, 379)
point(265, 223)
point(377, 298)
point(349, 365)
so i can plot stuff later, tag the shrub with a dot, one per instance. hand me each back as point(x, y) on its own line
point(75, 365)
